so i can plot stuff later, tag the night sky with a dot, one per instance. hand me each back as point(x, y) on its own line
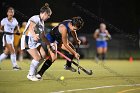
point(123, 14)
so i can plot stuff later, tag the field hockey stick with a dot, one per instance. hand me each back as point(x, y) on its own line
point(78, 60)
point(89, 72)
point(8, 33)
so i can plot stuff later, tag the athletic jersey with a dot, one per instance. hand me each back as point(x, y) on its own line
point(9, 26)
point(39, 25)
point(54, 34)
point(102, 35)
point(27, 40)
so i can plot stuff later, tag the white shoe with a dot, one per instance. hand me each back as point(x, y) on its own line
point(38, 76)
point(32, 77)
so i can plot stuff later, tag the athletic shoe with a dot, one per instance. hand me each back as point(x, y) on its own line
point(69, 68)
point(39, 76)
point(16, 68)
point(32, 77)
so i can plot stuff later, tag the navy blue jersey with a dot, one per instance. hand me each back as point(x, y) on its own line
point(55, 35)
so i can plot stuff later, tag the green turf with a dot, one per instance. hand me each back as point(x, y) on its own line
point(113, 72)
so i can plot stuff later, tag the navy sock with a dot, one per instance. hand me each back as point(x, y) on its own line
point(103, 56)
point(45, 66)
point(97, 55)
point(68, 62)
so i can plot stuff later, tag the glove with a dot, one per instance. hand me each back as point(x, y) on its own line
point(53, 48)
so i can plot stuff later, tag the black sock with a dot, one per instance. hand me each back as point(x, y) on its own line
point(68, 63)
point(97, 55)
point(103, 56)
point(45, 66)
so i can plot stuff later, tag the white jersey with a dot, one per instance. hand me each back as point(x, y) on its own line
point(27, 40)
point(39, 25)
point(8, 27)
point(102, 35)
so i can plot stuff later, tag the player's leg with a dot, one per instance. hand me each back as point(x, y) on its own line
point(98, 53)
point(13, 56)
point(4, 55)
point(48, 62)
point(68, 65)
point(98, 50)
point(20, 58)
point(34, 64)
point(104, 53)
point(104, 50)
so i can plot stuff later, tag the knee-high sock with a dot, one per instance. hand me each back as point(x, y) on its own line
point(45, 66)
point(68, 63)
point(97, 55)
point(33, 67)
point(3, 56)
point(13, 60)
point(103, 56)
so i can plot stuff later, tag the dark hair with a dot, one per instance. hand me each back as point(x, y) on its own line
point(46, 9)
point(78, 22)
point(10, 8)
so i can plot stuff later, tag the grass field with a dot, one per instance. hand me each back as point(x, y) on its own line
point(115, 76)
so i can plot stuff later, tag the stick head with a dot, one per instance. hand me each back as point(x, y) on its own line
point(78, 71)
point(89, 72)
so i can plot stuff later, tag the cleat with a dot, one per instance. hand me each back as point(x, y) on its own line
point(32, 77)
point(39, 77)
point(16, 68)
point(69, 68)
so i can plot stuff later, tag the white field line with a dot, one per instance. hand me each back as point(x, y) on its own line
point(94, 88)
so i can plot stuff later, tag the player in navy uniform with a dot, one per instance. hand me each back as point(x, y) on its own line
point(101, 35)
point(58, 37)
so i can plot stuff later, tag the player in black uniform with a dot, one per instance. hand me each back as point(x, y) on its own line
point(58, 37)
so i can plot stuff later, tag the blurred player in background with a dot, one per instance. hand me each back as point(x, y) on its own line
point(9, 24)
point(101, 35)
point(32, 37)
point(58, 37)
point(17, 42)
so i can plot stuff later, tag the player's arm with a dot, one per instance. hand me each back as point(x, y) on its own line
point(31, 30)
point(16, 30)
point(44, 39)
point(108, 35)
point(74, 34)
point(63, 30)
point(95, 35)
point(1, 28)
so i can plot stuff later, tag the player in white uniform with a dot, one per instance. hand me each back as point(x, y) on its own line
point(32, 37)
point(9, 24)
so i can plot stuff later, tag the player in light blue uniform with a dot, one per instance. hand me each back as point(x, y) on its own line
point(101, 35)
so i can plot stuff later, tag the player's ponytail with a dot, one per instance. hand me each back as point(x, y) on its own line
point(46, 9)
